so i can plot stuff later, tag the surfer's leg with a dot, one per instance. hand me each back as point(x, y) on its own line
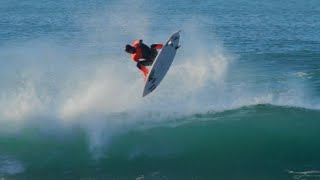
point(153, 54)
point(144, 70)
point(147, 62)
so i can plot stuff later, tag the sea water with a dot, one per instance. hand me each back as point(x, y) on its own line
point(240, 101)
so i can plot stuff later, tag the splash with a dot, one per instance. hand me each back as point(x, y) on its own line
point(91, 82)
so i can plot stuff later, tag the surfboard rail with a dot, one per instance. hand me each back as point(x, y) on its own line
point(162, 63)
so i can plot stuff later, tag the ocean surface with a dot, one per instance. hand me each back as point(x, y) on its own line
point(240, 101)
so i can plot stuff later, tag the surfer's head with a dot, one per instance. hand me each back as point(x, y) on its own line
point(130, 49)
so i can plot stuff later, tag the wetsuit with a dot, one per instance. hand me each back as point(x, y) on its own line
point(146, 53)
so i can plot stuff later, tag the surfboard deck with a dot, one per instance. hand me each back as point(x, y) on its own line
point(162, 63)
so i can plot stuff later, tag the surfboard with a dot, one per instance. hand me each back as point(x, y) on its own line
point(162, 64)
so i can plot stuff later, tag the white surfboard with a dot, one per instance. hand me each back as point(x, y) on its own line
point(162, 63)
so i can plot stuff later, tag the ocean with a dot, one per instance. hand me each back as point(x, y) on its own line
point(240, 101)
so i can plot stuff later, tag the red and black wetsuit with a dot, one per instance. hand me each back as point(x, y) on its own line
point(146, 53)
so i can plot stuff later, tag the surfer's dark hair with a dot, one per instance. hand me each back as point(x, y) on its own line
point(128, 48)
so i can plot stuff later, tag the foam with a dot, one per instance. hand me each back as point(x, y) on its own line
point(101, 90)
point(9, 166)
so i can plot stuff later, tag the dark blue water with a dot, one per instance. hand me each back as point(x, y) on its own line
point(241, 100)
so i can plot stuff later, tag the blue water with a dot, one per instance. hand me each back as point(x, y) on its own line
point(240, 101)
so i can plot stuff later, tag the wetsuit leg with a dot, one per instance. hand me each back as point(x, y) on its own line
point(153, 54)
point(144, 63)
point(142, 66)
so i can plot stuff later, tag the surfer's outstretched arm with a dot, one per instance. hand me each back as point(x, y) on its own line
point(157, 46)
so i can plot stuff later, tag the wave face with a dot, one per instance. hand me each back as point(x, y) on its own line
point(261, 141)
point(241, 100)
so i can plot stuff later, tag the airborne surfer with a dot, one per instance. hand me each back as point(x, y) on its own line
point(143, 55)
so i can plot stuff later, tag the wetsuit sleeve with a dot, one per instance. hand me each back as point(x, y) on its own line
point(157, 46)
point(135, 58)
point(137, 43)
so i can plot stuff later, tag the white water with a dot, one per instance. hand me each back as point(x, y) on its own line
point(91, 81)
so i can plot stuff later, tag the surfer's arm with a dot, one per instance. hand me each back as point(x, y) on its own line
point(157, 46)
point(135, 58)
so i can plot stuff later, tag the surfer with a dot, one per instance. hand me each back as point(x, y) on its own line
point(143, 55)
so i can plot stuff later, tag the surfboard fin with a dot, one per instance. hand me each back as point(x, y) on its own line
point(178, 47)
